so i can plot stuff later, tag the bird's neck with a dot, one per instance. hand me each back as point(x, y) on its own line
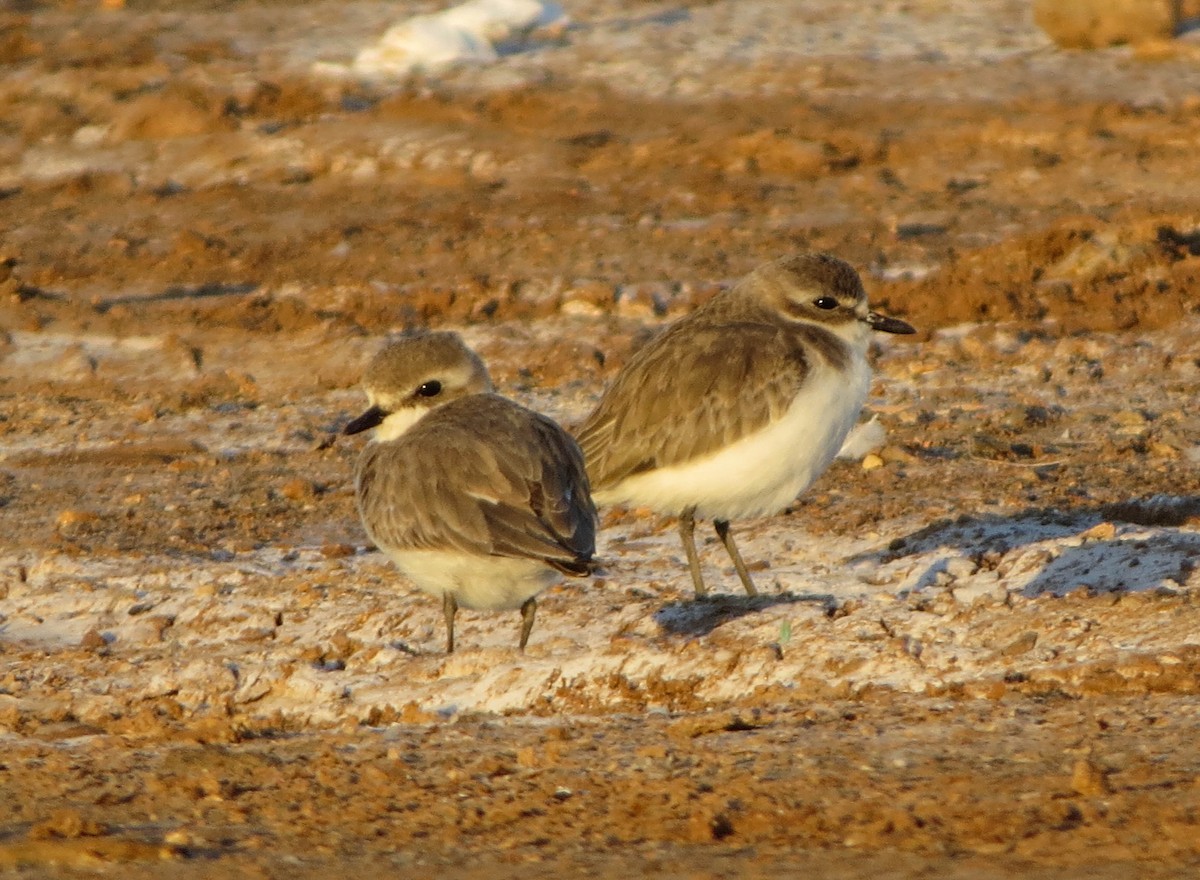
point(856, 334)
point(397, 423)
point(839, 346)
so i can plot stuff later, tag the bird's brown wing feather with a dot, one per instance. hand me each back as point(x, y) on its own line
point(481, 475)
point(693, 390)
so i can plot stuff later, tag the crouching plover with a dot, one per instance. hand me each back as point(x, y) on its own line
point(476, 499)
point(735, 409)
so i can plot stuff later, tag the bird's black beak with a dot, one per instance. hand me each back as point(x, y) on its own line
point(889, 325)
point(366, 421)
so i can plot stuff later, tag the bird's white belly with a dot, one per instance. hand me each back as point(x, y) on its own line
point(764, 472)
point(486, 583)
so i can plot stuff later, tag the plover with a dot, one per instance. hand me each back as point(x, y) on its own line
point(476, 499)
point(738, 407)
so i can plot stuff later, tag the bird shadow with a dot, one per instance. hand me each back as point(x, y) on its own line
point(1100, 561)
point(700, 616)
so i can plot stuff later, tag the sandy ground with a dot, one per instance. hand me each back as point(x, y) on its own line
point(977, 653)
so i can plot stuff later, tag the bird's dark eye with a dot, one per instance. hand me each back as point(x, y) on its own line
point(825, 302)
point(432, 388)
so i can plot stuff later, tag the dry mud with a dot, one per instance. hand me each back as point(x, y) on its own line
point(977, 652)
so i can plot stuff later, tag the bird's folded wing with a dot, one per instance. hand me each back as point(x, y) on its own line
point(506, 485)
point(688, 394)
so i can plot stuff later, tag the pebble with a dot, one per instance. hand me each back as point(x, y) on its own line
point(581, 308)
point(179, 837)
point(1022, 644)
point(1094, 24)
point(977, 591)
point(960, 567)
point(298, 489)
point(76, 517)
point(896, 455)
point(1104, 531)
point(644, 300)
point(93, 639)
point(1089, 779)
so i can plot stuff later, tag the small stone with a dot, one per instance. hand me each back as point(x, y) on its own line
point(1089, 779)
point(149, 630)
point(93, 639)
point(1130, 422)
point(872, 461)
point(587, 297)
point(969, 594)
point(581, 308)
point(298, 489)
point(179, 837)
point(896, 455)
point(960, 567)
point(66, 823)
point(1022, 644)
point(1104, 531)
point(164, 115)
point(1162, 450)
point(74, 517)
point(644, 300)
point(1093, 24)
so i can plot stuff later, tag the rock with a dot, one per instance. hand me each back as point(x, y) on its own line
point(93, 639)
point(468, 33)
point(897, 455)
point(1093, 24)
point(1089, 779)
point(66, 823)
point(978, 589)
point(1104, 531)
point(642, 300)
point(960, 567)
point(298, 489)
point(1022, 644)
point(74, 517)
point(165, 115)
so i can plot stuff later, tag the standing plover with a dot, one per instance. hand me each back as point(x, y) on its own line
point(476, 499)
point(735, 409)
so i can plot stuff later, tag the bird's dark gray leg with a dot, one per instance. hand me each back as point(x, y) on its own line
point(449, 609)
point(528, 609)
point(726, 536)
point(687, 529)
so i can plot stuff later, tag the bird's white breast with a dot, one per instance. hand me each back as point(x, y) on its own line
point(763, 472)
point(486, 583)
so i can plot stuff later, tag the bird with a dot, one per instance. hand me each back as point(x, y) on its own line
point(737, 407)
point(476, 499)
